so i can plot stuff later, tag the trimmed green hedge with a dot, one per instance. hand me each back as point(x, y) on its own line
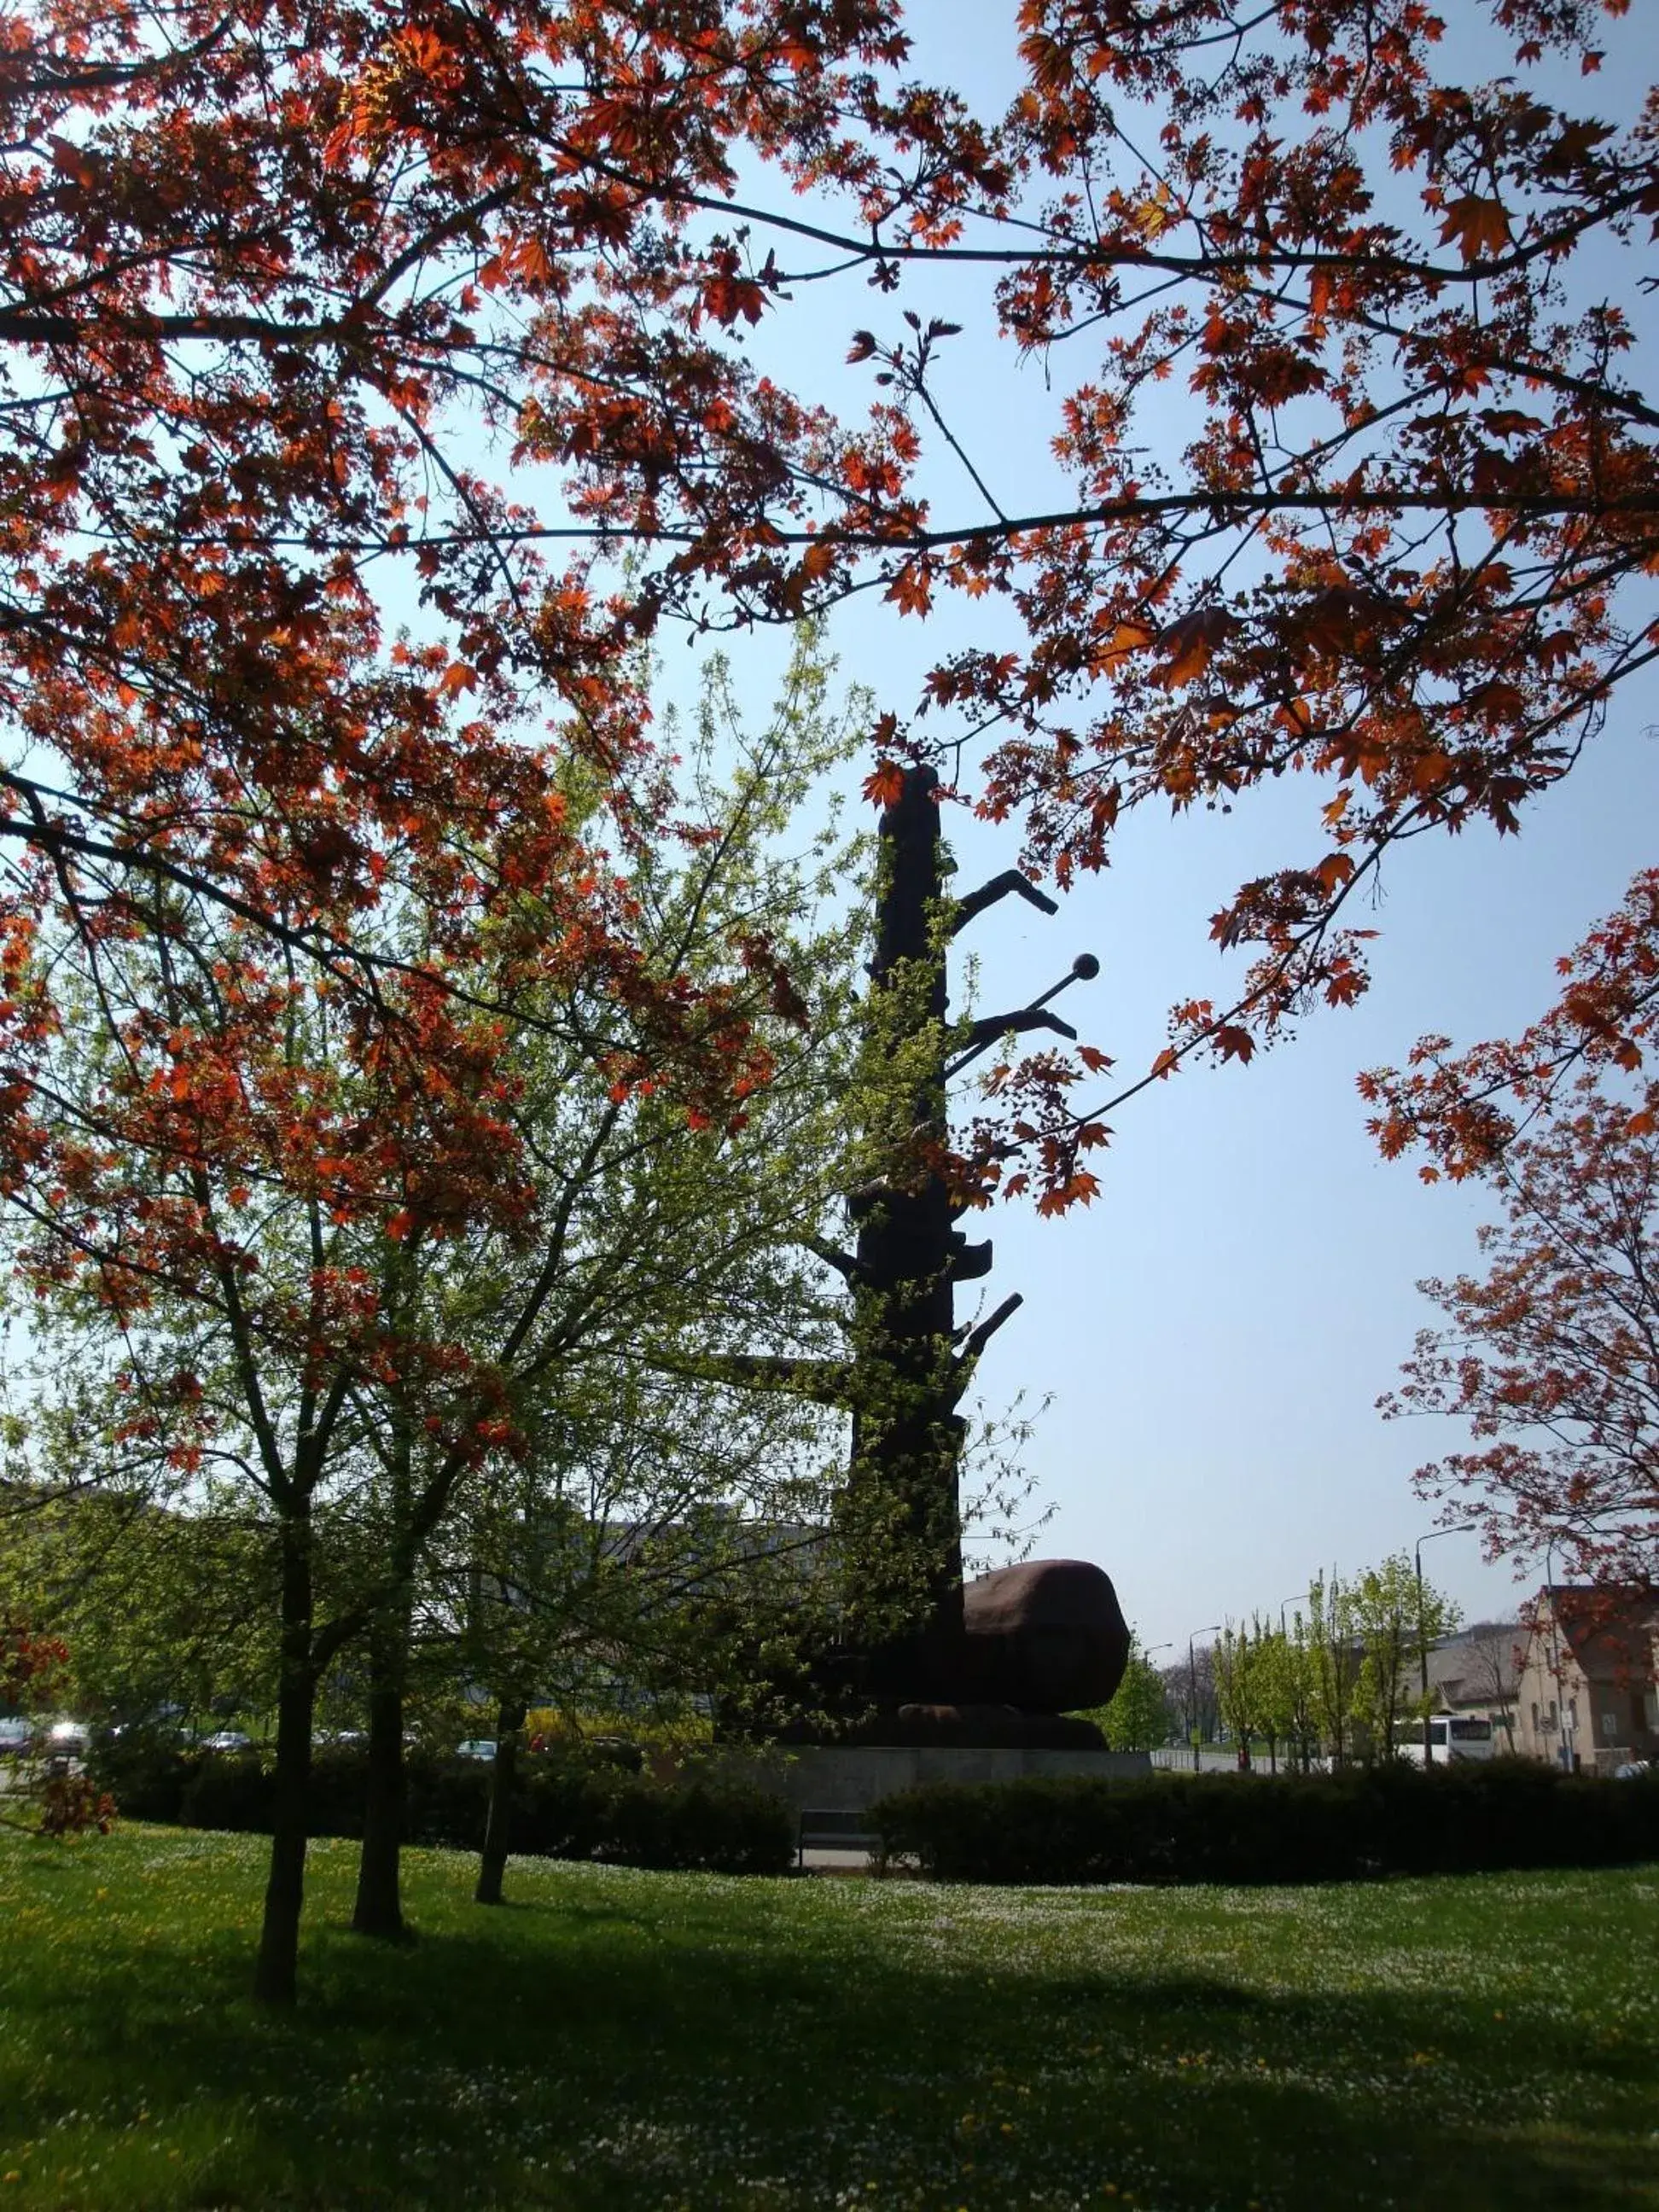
point(564, 1807)
point(1394, 1820)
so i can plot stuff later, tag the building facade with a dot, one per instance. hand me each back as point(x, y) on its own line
point(1587, 1693)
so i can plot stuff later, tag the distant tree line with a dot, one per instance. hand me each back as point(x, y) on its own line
point(1334, 1679)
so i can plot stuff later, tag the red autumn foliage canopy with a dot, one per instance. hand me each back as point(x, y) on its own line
point(269, 270)
point(1405, 546)
point(1466, 1107)
point(264, 274)
point(1550, 1354)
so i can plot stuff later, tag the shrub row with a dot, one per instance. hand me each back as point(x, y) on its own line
point(564, 1807)
point(1394, 1820)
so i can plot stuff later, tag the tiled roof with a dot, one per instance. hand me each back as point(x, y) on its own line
point(1481, 1664)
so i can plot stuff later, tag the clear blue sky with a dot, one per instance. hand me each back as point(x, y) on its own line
point(1215, 1330)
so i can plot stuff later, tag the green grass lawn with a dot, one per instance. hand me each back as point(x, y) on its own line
point(623, 2039)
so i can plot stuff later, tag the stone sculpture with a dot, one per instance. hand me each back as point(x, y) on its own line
point(1029, 1641)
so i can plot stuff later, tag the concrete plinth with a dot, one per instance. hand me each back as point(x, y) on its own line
point(852, 1777)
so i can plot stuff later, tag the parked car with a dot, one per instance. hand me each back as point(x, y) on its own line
point(17, 1734)
point(66, 1738)
point(1632, 1770)
point(226, 1740)
point(477, 1746)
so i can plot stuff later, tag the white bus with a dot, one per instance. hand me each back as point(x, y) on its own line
point(1451, 1735)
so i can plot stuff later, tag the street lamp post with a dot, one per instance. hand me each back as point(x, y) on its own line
point(1463, 1528)
point(1214, 1629)
point(1567, 1738)
point(1298, 1599)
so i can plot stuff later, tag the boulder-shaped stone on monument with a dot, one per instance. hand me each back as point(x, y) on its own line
point(1048, 1636)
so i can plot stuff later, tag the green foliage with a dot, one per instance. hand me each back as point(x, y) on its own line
point(1397, 1619)
point(1333, 1661)
point(494, 1422)
point(575, 1806)
point(157, 1609)
point(1388, 1819)
point(1281, 1686)
point(1136, 1717)
point(1241, 1682)
point(669, 1727)
point(1266, 1679)
point(146, 1771)
point(567, 1379)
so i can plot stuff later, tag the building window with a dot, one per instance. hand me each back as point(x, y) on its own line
point(1535, 1716)
point(1610, 1724)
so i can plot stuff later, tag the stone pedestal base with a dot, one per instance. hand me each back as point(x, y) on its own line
point(949, 1726)
point(852, 1777)
point(978, 1727)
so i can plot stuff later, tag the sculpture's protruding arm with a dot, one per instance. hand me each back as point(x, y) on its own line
point(989, 1027)
point(985, 1032)
point(977, 1339)
point(969, 1261)
point(999, 888)
point(849, 1268)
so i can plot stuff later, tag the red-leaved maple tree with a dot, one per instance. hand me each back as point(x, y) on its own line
point(273, 276)
point(1550, 1354)
point(270, 279)
point(1465, 1108)
point(320, 316)
point(1403, 545)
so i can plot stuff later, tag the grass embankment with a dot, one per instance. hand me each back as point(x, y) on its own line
point(616, 2039)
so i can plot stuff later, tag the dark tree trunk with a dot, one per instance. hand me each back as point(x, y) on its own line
point(275, 1974)
point(379, 1909)
point(493, 1864)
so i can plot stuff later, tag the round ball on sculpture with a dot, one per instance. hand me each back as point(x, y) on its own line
point(1048, 1636)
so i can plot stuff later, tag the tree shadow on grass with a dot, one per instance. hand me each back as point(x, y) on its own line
point(600, 2054)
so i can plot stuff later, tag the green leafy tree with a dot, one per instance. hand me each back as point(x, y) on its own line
point(1334, 1659)
point(1394, 1620)
point(637, 1343)
point(1137, 1715)
point(1273, 1689)
point(391, 1258)
point(1296, 1689)
point(1237, 1687)
point(655, 1537)
point(164, 1614)
point(1255, 1679)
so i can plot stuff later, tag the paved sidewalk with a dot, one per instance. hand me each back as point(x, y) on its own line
point(834, 1862)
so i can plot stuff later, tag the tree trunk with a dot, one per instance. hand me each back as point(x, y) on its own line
point(275, 1974)
point(493, 1864)
point(379, 1909)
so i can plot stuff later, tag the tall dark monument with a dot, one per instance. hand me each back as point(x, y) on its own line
point(993, 1662)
